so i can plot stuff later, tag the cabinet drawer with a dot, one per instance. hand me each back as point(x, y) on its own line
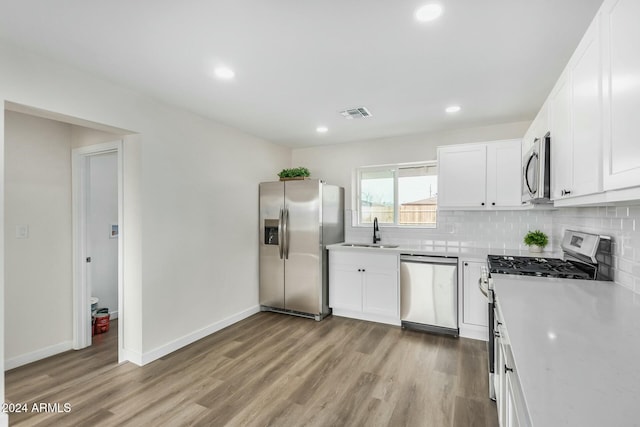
point(365, 259)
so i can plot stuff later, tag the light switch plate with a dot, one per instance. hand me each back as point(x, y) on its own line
point(22, 231)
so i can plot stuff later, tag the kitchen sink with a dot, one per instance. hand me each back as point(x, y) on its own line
point(365, 245)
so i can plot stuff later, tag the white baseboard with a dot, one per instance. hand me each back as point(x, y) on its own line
point(113, 314)
point(4, 420)
point(43, 353)
point(174, 345)
point(134, 357)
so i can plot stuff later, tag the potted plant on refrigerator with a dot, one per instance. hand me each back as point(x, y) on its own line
point(536, 240)
point(294, 173)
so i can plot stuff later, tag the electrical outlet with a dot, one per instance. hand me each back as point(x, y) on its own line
point(22, 231)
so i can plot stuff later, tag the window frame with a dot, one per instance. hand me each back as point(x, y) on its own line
point(396, 206)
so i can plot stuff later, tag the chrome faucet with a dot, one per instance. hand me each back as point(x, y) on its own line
point(376, 231)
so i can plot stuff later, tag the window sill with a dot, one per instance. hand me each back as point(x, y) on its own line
point(397, 227)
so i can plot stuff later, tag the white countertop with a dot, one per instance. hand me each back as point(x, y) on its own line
point(468, 254)
point(576, 346)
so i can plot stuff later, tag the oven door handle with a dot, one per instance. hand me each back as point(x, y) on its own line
point(483, 288)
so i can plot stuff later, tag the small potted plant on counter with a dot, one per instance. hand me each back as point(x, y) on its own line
point(294, 173)
point(536, 240)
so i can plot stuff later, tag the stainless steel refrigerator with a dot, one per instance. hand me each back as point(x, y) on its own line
point(297, 220)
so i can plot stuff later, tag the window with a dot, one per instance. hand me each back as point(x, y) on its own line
point(403, 195)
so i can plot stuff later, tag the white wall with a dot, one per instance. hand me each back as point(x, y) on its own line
point(335, 163)
point(102, 212)
point(191, 201)
point(38, 276)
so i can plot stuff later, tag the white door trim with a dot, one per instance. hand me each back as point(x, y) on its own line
point(81, 306)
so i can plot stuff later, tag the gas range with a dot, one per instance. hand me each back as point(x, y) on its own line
point(585, 256)
point(541, 267)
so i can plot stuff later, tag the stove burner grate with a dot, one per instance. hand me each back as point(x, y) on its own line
point(540, 267)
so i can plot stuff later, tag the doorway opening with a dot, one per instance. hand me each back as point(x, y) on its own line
point(46, 155)
point(97, 198)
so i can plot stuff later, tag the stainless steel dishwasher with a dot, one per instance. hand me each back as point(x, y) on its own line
point(429, 293)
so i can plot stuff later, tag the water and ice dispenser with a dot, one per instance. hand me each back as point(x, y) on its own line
point(271, 232)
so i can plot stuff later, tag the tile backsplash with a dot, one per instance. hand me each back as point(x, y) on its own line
point(616, 221)
point(460, 230)
point(464, 229)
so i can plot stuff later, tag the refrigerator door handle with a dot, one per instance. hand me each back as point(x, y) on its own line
point(286, 233)
point(280, 233)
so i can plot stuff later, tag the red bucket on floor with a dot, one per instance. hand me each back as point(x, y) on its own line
point(101, 323)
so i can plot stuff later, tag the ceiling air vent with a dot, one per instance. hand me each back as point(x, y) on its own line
point(356, 113)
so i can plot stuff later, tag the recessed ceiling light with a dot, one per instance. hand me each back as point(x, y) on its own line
point(224, 73)
point(428, 12)
point(453, 109)
point(322, 129)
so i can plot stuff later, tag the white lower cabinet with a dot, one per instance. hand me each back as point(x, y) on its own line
point(473, 308)
point(345, 287)
point(364, 285)
point(380, 292)
point(512, 410)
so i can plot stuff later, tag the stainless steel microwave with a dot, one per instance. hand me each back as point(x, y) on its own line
point(536, 173)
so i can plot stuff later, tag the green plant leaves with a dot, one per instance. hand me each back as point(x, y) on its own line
point(537, 238)
point(293, 172)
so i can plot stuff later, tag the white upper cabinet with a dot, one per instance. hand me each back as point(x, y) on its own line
point(593, 113)
point(462, 172)
point(586, 107)
point(561, 140)
point(538, 129)
point(621, 77)
point(575, 115)
point(479, 176)
point(504, 160)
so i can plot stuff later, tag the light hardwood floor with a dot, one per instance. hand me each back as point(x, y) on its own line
point(269, 370)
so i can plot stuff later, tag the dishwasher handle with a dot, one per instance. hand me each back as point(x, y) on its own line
point(428, 259)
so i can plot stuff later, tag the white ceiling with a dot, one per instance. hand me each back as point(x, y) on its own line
point(299, 62)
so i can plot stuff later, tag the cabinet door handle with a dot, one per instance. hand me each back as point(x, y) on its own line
point(359, 269)
point(507, 369)
point(565, 192)
point(466, 264)
point(363, 270)
point(482, 203)
point(493, 203)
